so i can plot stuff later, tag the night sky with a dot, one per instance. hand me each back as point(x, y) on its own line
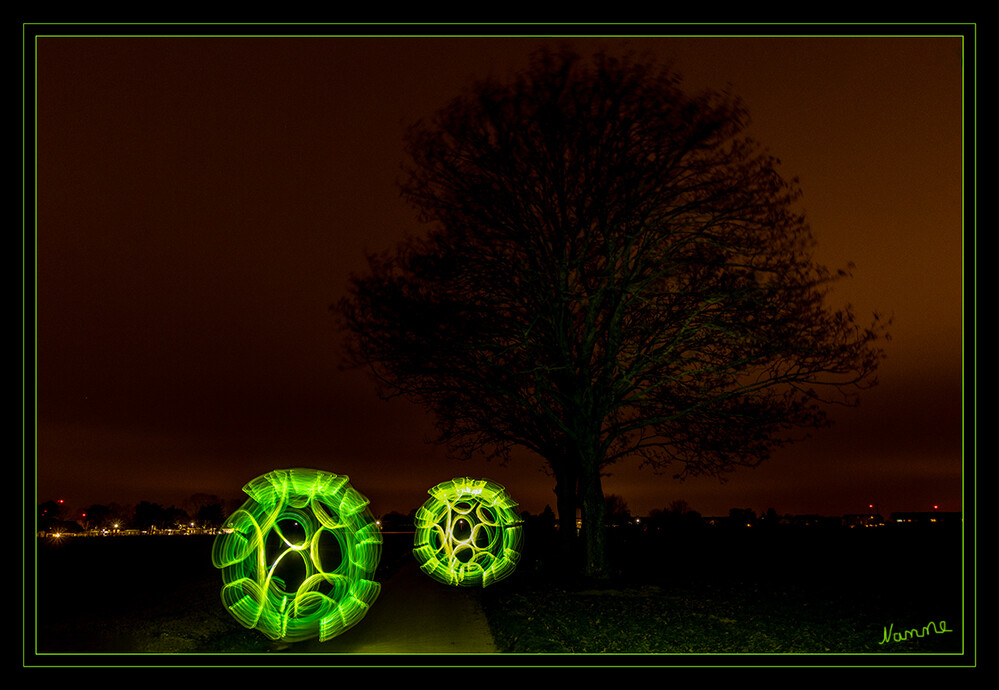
point(201, 202)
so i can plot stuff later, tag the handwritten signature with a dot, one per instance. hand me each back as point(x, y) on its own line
point(932, 627)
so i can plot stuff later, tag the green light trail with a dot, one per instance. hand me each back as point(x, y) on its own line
point(468, 533)
point(299, 557)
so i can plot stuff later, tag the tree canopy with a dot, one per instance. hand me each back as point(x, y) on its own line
point(612, 270)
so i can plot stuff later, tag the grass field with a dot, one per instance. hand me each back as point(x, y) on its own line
point(841, 592)
point(714, 592)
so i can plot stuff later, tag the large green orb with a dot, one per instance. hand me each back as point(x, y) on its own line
point(298, 558)
point(468, 533)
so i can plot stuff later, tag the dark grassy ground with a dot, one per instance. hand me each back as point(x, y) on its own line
point(812, 592)
point(144, 595)
point(709, 592)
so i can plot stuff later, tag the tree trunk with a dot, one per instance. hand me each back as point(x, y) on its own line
point(594, 509)
point(565, 503)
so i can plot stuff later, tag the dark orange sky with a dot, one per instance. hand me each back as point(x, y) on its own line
point(202, 201)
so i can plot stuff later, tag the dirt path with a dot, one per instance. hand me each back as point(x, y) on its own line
point(413, 615)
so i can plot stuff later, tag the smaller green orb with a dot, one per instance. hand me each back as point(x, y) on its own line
point(468, 533)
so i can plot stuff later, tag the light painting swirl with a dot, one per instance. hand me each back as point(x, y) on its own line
point(468, 533)
point(299, 557)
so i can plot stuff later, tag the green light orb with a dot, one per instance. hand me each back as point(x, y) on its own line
point(299, 557)
point(468, 533)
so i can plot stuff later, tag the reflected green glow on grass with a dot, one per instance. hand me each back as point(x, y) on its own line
point(298, 558)
point(468, 533)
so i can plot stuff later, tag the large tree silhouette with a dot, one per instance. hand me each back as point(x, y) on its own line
point(612, 270)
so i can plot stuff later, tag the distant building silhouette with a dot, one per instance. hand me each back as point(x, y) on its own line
point(864, 520)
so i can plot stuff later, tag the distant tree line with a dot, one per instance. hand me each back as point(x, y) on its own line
point(200, 510)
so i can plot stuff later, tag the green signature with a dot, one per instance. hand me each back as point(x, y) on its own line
point(930, 628)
